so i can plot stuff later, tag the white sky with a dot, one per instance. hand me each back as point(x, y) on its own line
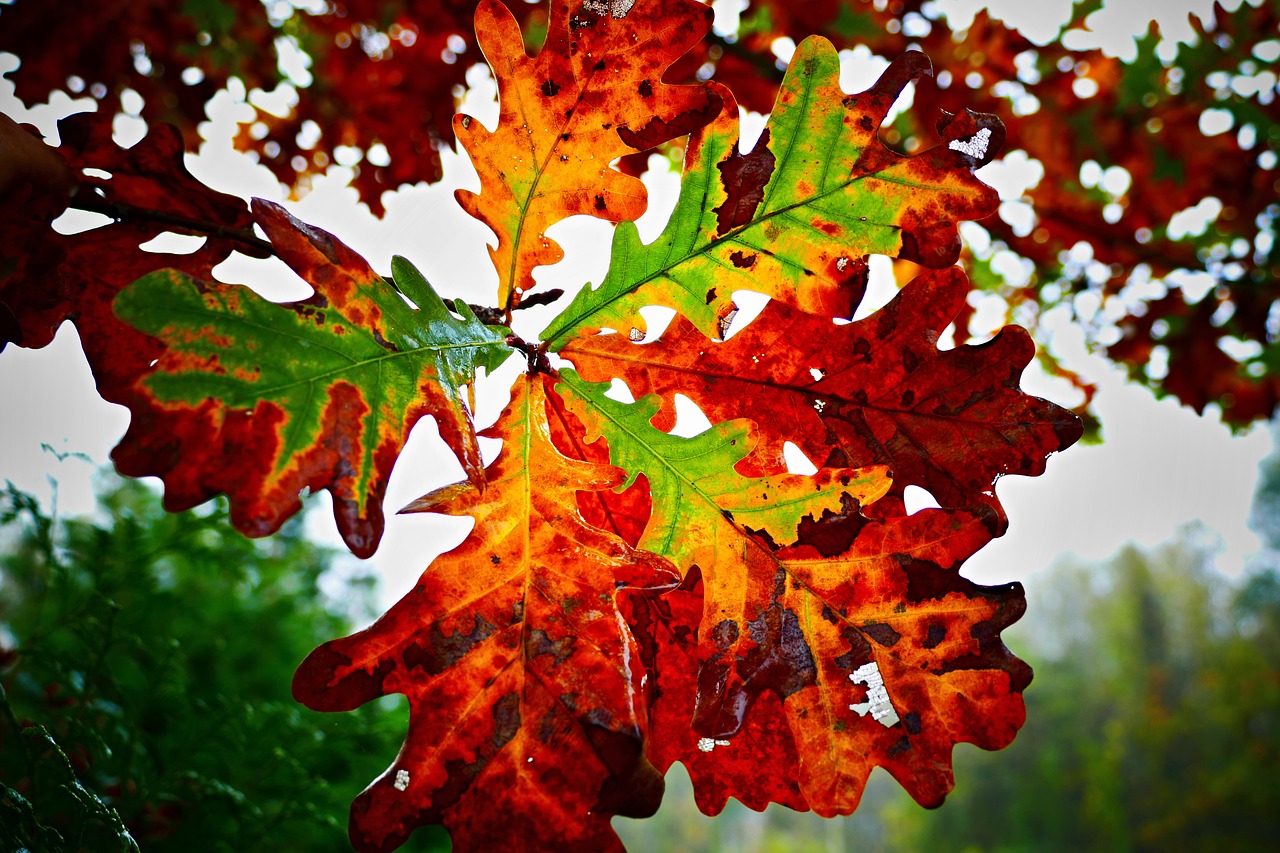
point(1159, 467)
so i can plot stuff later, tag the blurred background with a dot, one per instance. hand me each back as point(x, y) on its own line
point(1135, 239)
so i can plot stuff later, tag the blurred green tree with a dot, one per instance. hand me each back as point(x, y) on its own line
point(1153, 722)
point(154, 651)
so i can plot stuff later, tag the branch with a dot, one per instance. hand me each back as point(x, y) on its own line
point(122, 212)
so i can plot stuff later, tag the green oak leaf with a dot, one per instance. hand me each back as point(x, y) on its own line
point(797, 216)
point(262, 400)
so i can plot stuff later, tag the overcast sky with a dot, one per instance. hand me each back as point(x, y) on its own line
point(1160, 466)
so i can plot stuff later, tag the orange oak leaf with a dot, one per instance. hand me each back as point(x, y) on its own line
point(527, 724)
point(882, 653)
point(593, 93)
point(902, 659)
point(876, 391)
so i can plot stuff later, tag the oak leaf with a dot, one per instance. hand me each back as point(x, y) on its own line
point(807, 608)
point(260, 400)
point(526, 727)
point(877, 391)
point(594, 92)
point(796, 217)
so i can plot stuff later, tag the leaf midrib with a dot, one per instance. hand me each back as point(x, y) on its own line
point(353, 365)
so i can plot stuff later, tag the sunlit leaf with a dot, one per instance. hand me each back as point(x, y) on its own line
point(796, 217)
point(261, 400)
point(594, 92)
point(527, 724)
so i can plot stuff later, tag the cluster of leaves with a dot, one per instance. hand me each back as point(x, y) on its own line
point(628, 597)
point(1189, 315)
point(130, 718)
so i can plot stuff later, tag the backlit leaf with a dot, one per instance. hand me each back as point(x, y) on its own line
point(796, 217)
point(47, 277)
point(527, 725)
point(889, 610)
point(876, 391)
point(800, 607)
point(594, 92)
point(260, 400)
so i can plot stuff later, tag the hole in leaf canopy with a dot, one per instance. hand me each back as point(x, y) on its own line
point(750, 304)
point(690, 420)
point(77, 221)
point(915, 499)
point(172, 243)
point(619, 391)
point(797, 461)
point(656, 320)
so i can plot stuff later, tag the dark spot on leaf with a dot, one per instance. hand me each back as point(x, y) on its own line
point(743, 262)
point(549, 88)
point(645, 89)
point(744, 177)
point(900, 746)
point(882, 634)
point(936, 634)
point(711, 295)
point(600, 205)
point(495, 559)
point(764, 536)
point(832, 533)
point(599, 66)
point(539, 643)
point(506, 718)
point(910, 361)
point(443, 651)
point(553, 723)
point(724, 634)
point(866, 124)
point(908, 397)
point(911, 721)
point(658, 130)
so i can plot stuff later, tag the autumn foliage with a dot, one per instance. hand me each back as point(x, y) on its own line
point(628, 597)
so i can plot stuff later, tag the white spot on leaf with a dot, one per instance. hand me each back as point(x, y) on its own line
point(976, 146)
point(402, 779)
point(877, 703)
point(616, 8)
point(706, 744)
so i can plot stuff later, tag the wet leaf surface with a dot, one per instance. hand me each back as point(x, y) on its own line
point(527, 720)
